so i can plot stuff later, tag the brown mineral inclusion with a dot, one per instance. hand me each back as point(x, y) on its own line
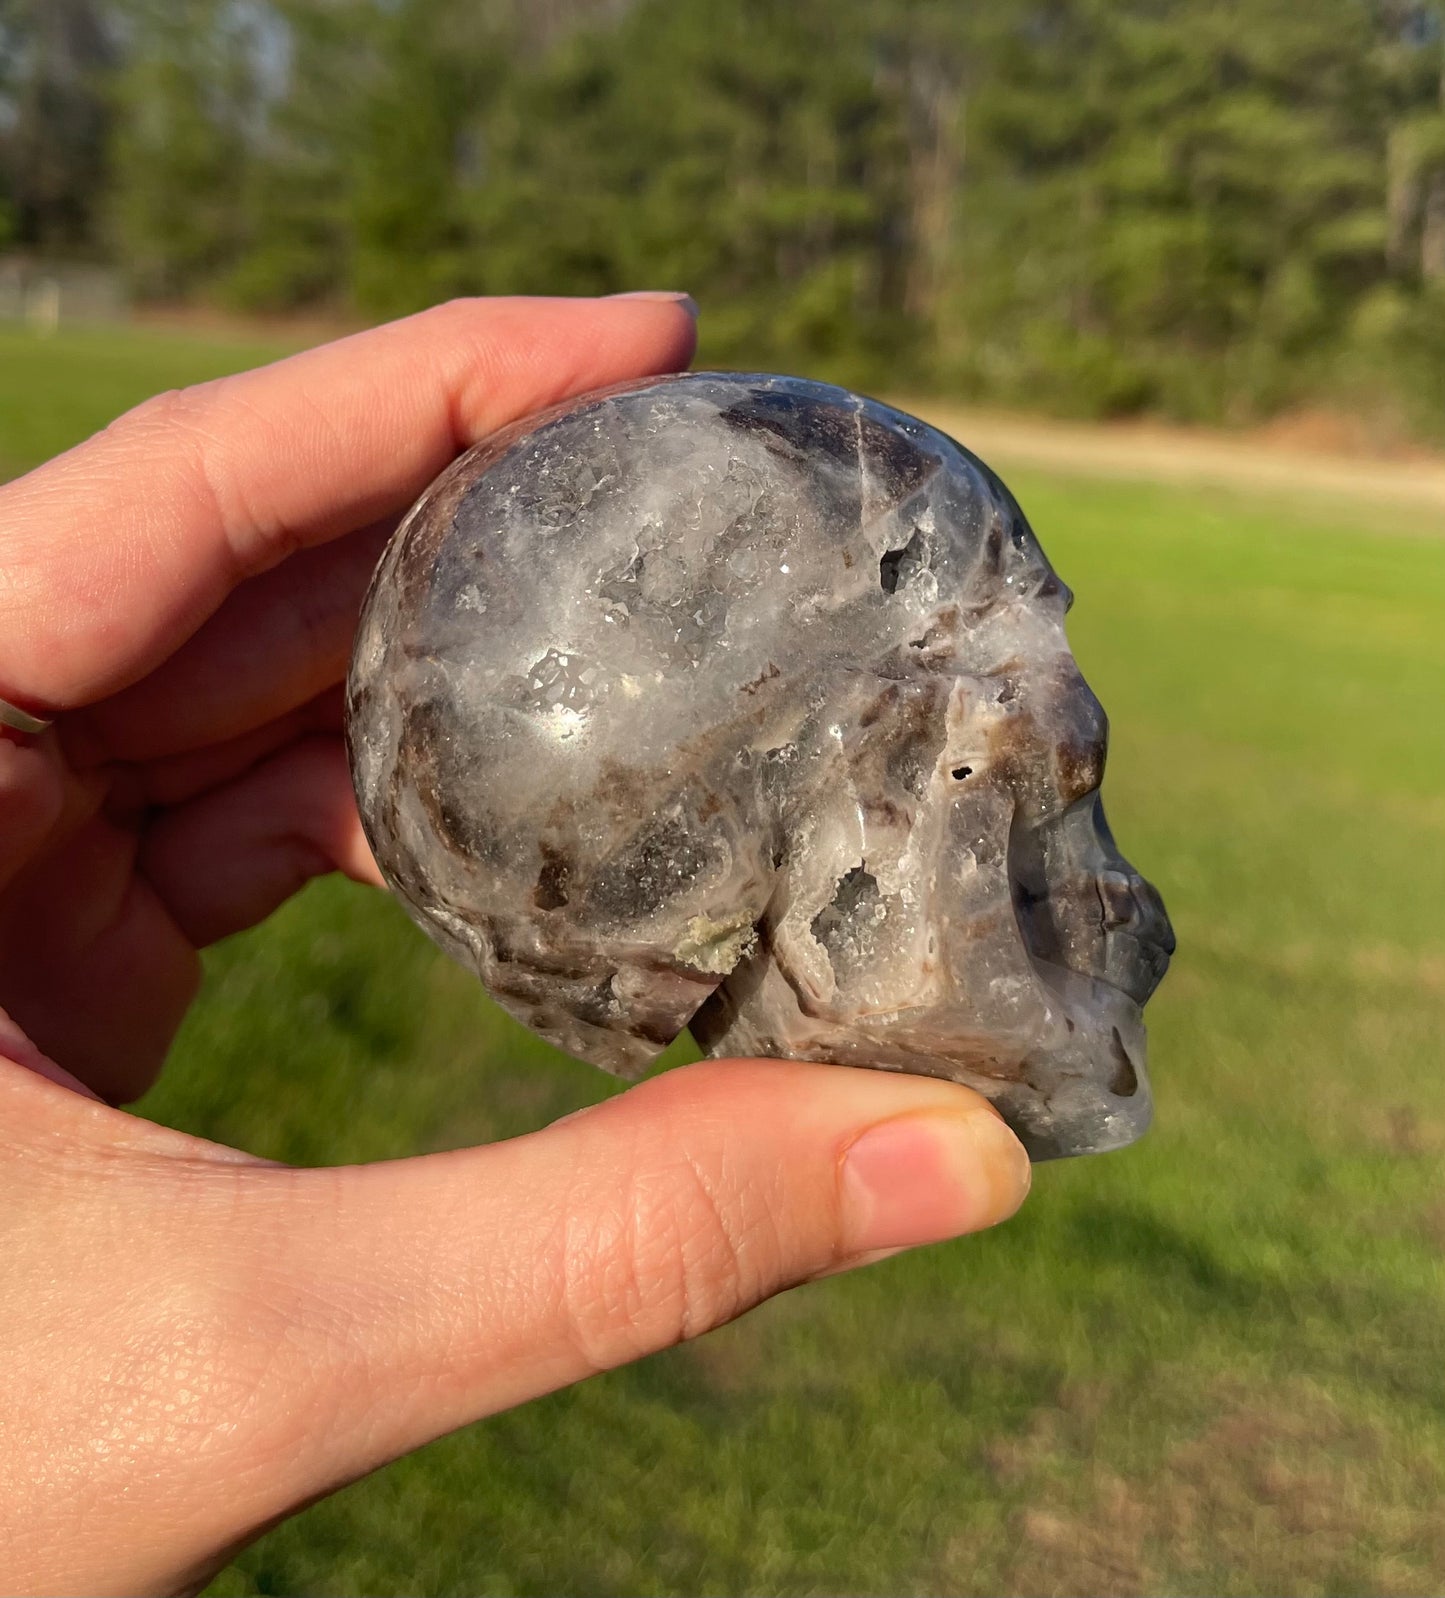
point(743, 703)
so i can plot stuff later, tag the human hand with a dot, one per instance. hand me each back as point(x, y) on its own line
point(194, 1342)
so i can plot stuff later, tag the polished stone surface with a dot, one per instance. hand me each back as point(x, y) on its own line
point(744, 703)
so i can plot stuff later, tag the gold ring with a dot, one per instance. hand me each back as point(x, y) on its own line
point(20, 720)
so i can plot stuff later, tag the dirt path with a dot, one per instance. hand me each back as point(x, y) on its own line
point(1303, 454)
point(1181, 455)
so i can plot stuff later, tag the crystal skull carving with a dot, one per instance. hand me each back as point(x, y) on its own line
point(744, 703)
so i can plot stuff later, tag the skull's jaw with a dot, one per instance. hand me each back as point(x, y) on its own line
point(1087, 1090)
point(1073, 1080)
point(1060, 1051)
point(1077, 1117)
point(1069, 1077)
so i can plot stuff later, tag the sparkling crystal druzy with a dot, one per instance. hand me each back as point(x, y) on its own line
point(744, 703)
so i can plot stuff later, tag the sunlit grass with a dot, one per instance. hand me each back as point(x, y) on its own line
point(56, 389)
point(1210, 1364)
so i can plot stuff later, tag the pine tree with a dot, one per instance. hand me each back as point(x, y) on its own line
point(55, 57)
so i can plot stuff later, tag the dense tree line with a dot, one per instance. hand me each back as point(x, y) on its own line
point(1212, 208)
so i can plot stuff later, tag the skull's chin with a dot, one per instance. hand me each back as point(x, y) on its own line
point(1067, 1070)
point(1086, 1090)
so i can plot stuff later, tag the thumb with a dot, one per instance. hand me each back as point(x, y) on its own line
point(207, 1342)
point(425, 1293)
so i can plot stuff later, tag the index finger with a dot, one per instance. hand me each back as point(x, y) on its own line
point(113, 554)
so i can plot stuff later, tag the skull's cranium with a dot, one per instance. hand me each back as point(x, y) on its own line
point(745, 703)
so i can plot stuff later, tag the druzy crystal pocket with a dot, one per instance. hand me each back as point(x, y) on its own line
point(742, 703)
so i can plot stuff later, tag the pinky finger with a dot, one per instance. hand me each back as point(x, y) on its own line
point(226, 860)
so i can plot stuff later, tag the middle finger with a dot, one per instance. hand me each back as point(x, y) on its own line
point(277, 642)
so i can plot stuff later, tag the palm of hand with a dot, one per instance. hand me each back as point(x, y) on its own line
point(137, 837)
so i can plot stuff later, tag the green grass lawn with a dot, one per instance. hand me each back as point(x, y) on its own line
point(54, 391)
point(1211, 1364)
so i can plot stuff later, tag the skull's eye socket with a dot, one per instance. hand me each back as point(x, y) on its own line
point(960, 772)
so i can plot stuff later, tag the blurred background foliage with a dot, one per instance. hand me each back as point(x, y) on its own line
point(1209, 209)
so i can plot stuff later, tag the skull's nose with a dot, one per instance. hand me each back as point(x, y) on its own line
point(1138, 939)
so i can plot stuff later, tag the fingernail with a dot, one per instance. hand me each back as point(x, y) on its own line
point(922, 1178)
point(686, 301)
